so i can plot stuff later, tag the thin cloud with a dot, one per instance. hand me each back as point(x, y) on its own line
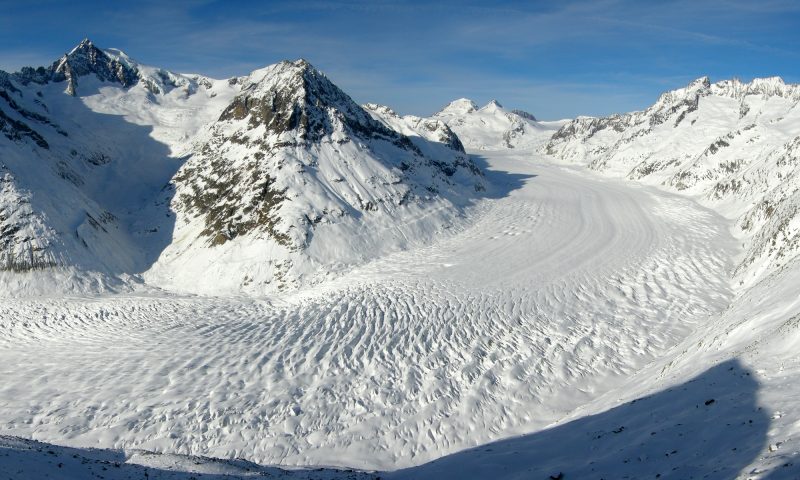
point(554, 58)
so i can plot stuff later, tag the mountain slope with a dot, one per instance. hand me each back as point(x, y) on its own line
point(295, 175)
point(88, 142)
point(734, 145)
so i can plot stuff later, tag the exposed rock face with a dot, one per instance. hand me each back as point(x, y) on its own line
point(17, 130)
point(297, 101)
point(524, 114)
point(25, 239)
point(733, 143)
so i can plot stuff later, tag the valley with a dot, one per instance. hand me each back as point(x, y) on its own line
point(549, 296)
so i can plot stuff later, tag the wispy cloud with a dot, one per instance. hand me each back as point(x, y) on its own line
point(554, 58)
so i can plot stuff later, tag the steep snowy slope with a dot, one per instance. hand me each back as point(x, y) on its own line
point(294, 176)
point(87, 142)
point(435, 131)
point(735, 145)
point(492, 127)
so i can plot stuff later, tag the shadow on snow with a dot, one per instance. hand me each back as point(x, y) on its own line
point(710, 427)
point(500, 182)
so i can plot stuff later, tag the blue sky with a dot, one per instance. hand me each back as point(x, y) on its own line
point(553, 58)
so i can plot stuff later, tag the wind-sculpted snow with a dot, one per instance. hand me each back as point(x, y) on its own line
point(554, 293)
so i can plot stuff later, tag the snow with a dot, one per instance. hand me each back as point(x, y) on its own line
point(604, 297)
point(556, 291)
point(733, 146)
point(492, 127)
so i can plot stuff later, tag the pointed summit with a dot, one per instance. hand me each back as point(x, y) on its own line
point(84, 59)
point(299, 103)
point(702, 82)
point(85, 46)
point(493, 105)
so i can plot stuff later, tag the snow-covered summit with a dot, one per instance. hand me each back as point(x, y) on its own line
point(461, 106)
point(293, 101)
point(84, 59)
point(493, 105)
point(110, 66)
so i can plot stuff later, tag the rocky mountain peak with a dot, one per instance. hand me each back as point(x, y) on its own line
point(297, 103)
point(524, 114)
point(702, 82)
point(84, 59)
point(86, 46)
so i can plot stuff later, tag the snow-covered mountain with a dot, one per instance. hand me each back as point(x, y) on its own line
point(294, 175)
point(735, 145)
point(492, 127)
point(585, 326)
point(112, 168)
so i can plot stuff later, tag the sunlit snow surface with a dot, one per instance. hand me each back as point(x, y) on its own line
point(554, 293)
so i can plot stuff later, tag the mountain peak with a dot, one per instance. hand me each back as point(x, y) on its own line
point(85, 45)
point(84, 59)
point(460, 106)
point(303, 64)
point(493, 105)
point(703, 81)
point(297, 102)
